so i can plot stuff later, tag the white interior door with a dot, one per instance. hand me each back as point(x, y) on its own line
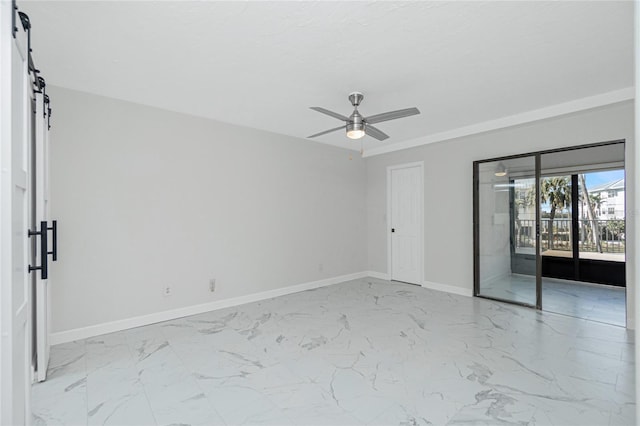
point(406, 220)
point(15, 377)
point(41, 206)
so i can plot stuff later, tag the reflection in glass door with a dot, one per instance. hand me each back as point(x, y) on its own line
point(505, 217)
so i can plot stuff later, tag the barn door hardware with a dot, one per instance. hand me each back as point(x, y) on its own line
point(44, 270)
point(54, 235)
point(14, 11)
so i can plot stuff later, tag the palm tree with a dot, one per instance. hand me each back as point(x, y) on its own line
point(595, 233)
point(596, 200)
point(557, 192)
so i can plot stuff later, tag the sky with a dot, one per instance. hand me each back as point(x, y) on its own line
point(598, 178)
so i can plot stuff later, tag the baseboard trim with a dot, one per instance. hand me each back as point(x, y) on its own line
point(428, 284)
point(378, 275)
point(113, 326)
point(448, 288)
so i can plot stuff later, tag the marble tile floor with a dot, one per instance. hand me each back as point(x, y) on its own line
point(364, 352)
point(582, 300)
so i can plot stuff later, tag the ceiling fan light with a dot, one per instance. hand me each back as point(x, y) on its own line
point(355, 130)
point(501, 170)
point(355, 134)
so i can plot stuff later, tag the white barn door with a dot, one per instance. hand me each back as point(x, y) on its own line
point(40, 178)
point(15, 95)
point(405, 212)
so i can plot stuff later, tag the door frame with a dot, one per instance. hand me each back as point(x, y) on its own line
point(476, 219)
point(420, 165)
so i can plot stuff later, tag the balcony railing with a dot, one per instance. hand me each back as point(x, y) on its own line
point(609, 232)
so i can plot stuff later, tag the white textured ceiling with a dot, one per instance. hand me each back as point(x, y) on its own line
point(263, 64)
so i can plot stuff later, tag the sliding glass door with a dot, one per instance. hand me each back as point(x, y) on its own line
point(582, 233)
point(553, 222)
point(505, 222)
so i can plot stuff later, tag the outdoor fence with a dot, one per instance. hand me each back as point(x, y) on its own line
point(610, 234)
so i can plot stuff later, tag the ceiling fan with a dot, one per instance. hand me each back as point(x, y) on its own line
point(357, 126)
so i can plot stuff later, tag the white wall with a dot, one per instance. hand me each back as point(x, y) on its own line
point(448, 187)
point(146, 197)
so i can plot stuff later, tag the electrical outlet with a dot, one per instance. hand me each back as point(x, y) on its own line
point(166, 290)
point(212, 285)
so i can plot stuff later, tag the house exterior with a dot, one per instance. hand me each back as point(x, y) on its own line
point(612, 197)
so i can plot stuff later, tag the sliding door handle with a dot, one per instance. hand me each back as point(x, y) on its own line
point(44, 256)
point(54, 236)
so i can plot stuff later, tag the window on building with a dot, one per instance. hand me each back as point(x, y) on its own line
point(612, 194)
point(611, 210)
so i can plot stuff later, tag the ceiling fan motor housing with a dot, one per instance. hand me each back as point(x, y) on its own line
point(355, 124)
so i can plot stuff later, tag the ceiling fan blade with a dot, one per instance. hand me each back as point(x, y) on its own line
point(330, 113)
point(326, 131)
point(391, 115)
point(375, 133)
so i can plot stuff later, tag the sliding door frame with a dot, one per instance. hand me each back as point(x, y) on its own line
point(538, 236)
point(476, 217)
